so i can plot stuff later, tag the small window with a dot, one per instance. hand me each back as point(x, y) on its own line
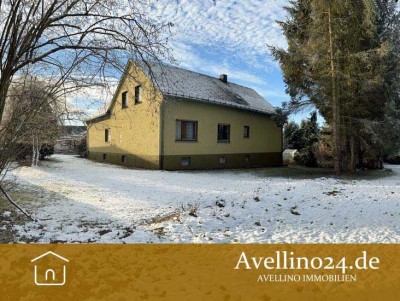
point(224, 132)
point(246, 131)
point(123, 158)
point(104, 156)
point(125, 100)
point(222, 160)
point(185, 161)
point(107, 135)
point(138, 94)
point(186, 130)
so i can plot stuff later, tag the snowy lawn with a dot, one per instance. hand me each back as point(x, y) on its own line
point(77, 200)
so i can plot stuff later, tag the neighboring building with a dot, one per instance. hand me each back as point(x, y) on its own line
point(185, 120)
point(71, 136)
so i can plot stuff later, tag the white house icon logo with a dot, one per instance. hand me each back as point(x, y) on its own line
point(48, 276)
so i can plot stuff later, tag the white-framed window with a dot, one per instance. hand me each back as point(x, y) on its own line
point(186, 130)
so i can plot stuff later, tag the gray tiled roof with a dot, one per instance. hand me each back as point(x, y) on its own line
point(174, 81)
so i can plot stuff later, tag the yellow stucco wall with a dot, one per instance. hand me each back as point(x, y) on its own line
point(265, 135)
point(135, 130)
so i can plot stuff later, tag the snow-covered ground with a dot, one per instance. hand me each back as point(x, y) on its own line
point(77, 200)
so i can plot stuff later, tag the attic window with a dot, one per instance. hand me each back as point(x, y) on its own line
point(124, 100)
point(107, 135)
point(138, 94)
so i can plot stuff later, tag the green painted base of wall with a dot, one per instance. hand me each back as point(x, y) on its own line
point(146, 162)
point(196, 161)
point(231, 161)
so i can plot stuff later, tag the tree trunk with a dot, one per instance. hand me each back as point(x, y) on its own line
point(37, 151)
point(335, 106)
point(352, 166)
point(360, 156)
point(33, 150)
point(5, 81)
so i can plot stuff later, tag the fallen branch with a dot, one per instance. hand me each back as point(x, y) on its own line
point(16, 205)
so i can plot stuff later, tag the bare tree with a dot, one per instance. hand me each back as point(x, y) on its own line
point(34, 116)
point(72, 44)
point(31, 118)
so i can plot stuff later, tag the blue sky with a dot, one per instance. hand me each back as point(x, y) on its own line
point(231, 37)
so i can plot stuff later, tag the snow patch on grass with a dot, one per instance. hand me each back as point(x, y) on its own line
point(6, 214)
point(77, 200)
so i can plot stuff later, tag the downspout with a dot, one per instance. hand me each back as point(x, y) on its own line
point(161, 158)
point(87, 138)
point(281, 146)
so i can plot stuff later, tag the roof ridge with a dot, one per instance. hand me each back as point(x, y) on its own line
point(202, 74)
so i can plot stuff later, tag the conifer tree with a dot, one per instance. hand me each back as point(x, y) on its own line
point(335, 62)
point(388, 131)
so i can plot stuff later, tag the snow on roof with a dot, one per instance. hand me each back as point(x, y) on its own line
point(178, 82)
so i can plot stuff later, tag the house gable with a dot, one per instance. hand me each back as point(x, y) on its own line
point(130, 130)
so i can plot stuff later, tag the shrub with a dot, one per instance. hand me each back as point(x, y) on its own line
point(307, 157)
point(81, 148)
point(24, 152)
point(393, 159)
point(324, 155)
point(46, 150)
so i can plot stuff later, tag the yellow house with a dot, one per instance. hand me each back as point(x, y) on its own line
point(166, 117)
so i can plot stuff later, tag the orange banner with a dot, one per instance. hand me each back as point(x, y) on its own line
point(200, 272)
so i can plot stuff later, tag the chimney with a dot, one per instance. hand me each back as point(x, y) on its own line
point(223, 78)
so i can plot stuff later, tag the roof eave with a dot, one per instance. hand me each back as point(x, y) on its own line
point(208, 101)
point(98, 118)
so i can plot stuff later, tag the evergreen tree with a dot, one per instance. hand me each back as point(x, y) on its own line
point(389, 32)
point(310, 130)
point(305, 139)
point(293, 136)
point(334, 62)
